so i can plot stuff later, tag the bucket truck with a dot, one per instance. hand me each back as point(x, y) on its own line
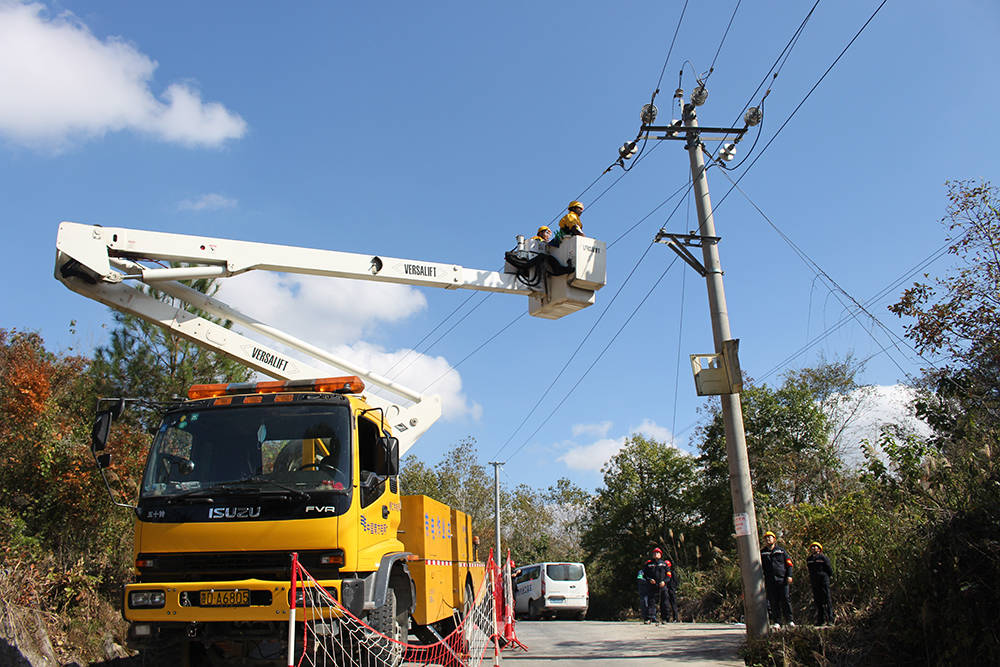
point(242, 474)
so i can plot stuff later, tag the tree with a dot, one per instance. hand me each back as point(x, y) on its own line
point(956, 317)
point(145, 360)
point(535, 525)
point(649, 498)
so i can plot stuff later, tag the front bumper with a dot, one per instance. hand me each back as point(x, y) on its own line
point(268, 601)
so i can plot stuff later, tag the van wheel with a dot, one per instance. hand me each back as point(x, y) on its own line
point(534, 610)
point(581, 615)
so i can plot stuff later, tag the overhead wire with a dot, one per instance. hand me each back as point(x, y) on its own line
point(722, 41)
point(816, 268)
point(600, 355)
point(799, 105)
point(427, 335)
point(924, 263)
point(486, 296)
point(587, 335)
point(454, 367)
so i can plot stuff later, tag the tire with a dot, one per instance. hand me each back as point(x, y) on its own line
point(165, 653)
point(581, 615)
point(385, 620)
point(469, 600)
point(534, 610)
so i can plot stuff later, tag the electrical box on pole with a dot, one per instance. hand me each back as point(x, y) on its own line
point(718, 374)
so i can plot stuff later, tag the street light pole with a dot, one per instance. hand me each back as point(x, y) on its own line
point(496, 510)
point(744, 514)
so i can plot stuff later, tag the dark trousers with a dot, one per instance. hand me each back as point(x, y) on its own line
point(652, 601)
point(668, 605)
point(644, 590)
point(823, 604)
point(778, 604)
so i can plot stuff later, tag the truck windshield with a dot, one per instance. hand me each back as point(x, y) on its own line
point(307, 447)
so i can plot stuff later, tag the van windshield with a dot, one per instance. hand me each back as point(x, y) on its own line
point(565, 571)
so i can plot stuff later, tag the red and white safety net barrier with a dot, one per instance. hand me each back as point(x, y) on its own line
point(321, 632)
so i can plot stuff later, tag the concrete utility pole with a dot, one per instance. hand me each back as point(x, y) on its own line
point(496, 509)
point(744, 514)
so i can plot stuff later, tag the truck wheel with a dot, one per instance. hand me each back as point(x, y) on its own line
point(385, 620)
point(469, 600)
point(165, 654)
point(534, 610)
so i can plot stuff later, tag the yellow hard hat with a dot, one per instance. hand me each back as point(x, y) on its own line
point(541, 229)
point(574, 204)
point(816, 544)
point(771, 534)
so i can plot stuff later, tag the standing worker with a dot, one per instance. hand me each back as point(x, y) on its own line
point(570, 224)
point(670, 593)
point(654, 571)
point(777, 576)
point(820, 573)
point(644, 587)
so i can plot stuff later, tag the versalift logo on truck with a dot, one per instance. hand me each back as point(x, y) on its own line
point(233, 512)
point(420, 270)
point(272, 360)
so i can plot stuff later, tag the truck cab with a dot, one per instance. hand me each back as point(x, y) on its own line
point(240, 476)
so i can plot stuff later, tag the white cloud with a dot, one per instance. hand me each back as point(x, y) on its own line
point(593, 456)
point(324, 311)
point(60, 82)
point(861, 414)
point(599, 430)
point(416, 371)
point(335, 314)
point(207, 202)
point(654, 431)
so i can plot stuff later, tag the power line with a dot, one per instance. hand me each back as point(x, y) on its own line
point(427, 335)
point(599, 356)
point(711, 67)
point(477, 349)
point(820, 271)
point(799, 105)
point(572, 356)
point(437, 340)
point(927, 261)
point(586, 336)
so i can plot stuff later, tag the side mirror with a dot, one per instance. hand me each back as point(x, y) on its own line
point(104, 461)
point(391, 447)
point(102, 428)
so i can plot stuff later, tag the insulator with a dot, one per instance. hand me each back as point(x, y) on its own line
point(699, 95)
point(648, 114)
point(753, 116)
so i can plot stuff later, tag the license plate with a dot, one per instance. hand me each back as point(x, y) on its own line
point(237, 598)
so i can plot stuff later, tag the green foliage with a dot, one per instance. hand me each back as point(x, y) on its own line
point(649, 498)
point(535, 525)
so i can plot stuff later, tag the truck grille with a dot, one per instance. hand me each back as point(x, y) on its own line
point(231, 566)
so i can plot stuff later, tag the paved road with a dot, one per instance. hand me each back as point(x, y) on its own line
point(591, 643)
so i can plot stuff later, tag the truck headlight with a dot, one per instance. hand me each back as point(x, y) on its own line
point(146, 599)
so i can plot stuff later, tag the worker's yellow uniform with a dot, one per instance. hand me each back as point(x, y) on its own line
point(570, 225)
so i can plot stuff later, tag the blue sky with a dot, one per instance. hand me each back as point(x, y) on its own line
point(438, 131)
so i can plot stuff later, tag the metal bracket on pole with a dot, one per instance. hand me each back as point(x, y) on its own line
point(678, 131)
point(678, 243)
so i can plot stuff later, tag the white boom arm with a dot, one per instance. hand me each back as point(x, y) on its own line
point(98, 261)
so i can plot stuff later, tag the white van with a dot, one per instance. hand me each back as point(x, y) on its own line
point(556, 589)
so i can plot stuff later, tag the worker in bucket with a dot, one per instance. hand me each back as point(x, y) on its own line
point(570, 224)
point(540, 241)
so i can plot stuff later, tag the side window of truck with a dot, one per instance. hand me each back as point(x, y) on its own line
point(371, 459)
